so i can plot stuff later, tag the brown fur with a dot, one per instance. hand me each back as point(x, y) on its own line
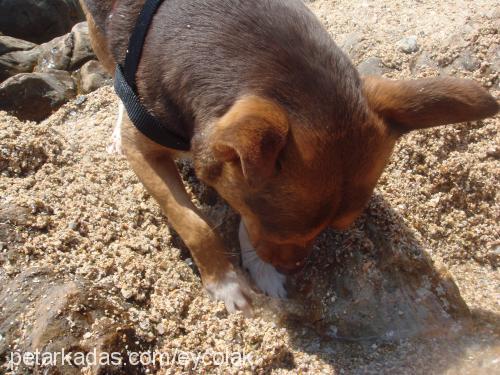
point(99, 41)
point(281, 124)
point(423, 103)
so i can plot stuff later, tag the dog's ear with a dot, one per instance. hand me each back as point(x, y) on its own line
point(424, 103)
point(252, 133)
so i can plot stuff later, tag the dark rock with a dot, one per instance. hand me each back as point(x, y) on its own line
point(9, 44)
point(93, 76)
point(408, 45)
point(11, 218)
point(372, 66)
point(59, 314)
point(56, 54)
point(13, 63)
point(34, 96)
point(38, 21)
point(82, 49)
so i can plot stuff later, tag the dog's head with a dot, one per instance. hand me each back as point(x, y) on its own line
point(291, 176)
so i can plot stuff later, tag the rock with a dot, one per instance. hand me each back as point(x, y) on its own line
point(372, 66)
point(11, 217)
point(379, 285)
point(67, 52)
point(408, 45)
point(82, 49)
point(467, 61)
point(93, 76)
point(38, 21)
point(351, 44)
point(495, 63)
point(9, 44)
point(34, 96)
point(16, 62)
point(40, 311)
point(421, 62)
point(56, 54)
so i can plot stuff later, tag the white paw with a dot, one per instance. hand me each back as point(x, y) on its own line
point(115, 147)
point(265, 276)
point(234, 291)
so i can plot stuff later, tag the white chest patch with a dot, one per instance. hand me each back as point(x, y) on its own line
point(115, 146)
point(265, 276)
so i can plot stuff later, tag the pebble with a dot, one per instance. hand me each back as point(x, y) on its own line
point(467, 61)
point(80, 100)
point(372, 66)
point(408, 44)
point(160, 329)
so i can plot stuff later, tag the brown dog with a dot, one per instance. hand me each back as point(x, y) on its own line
point(281, 125)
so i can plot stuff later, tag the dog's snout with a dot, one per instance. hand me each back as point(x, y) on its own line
point(290, 270)
point(287, 259)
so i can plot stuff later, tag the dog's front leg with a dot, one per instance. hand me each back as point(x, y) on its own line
point(156, 169)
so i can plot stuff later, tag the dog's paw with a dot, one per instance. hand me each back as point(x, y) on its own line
point(115, 146)
point(265, 276)
point(234, 291)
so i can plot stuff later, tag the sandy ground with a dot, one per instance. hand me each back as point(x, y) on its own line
point(88, 216)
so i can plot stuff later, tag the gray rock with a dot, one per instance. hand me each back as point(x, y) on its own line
point(9, 44)
point(56, 54)
point(408, 44)
point(67, 52)
point(82, 49)
point(34, 96)
point(495, 64)
point(373, 66)
point(421, 62)
point(38, 21)
point(93, 76)
point(16, 62)
point(467, 61)
point(351, 44)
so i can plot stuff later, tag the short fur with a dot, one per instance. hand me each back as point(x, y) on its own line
point(281, 124)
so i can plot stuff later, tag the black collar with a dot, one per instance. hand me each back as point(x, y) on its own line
point(164, 133)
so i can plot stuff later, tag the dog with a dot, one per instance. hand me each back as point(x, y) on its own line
point(281, 126)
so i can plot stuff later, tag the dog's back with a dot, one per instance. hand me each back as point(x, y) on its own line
point(203, 54)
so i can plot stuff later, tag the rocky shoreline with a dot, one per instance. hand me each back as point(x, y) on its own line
point(36, 80)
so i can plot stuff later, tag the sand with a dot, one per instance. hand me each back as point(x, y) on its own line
point(68, 205)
